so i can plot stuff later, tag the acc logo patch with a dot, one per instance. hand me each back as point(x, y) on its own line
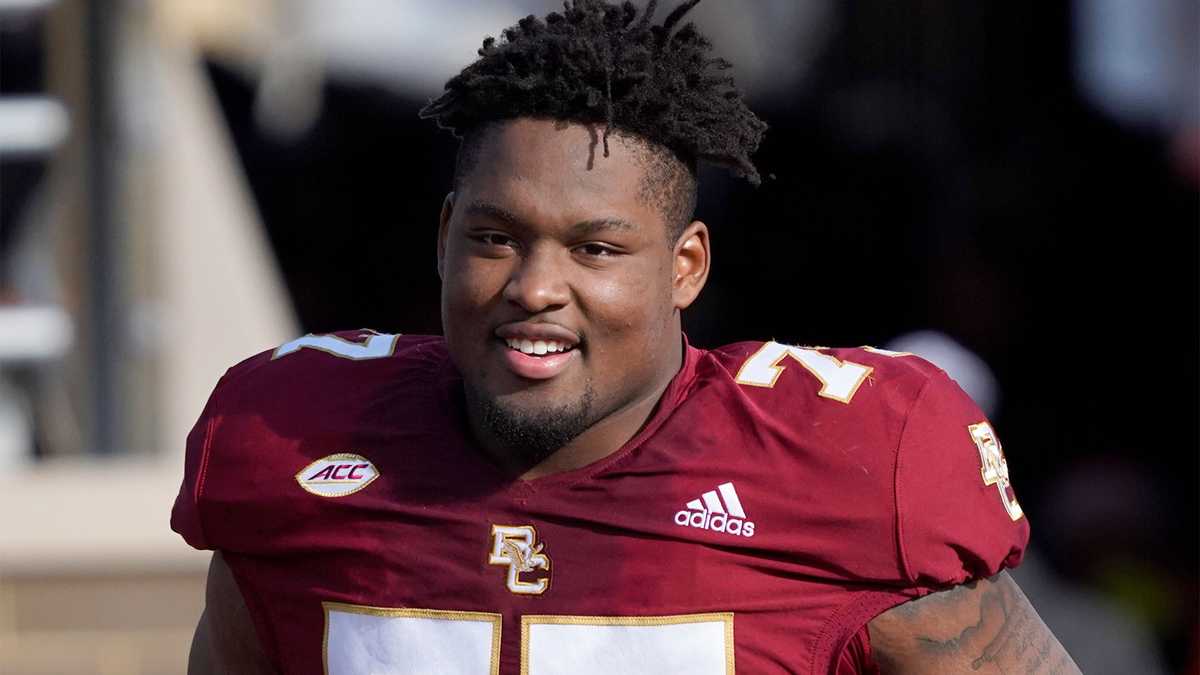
point(337, 475)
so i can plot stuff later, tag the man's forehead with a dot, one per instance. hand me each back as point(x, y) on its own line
point(553, 160)
point(543, 159)
point(577, 145)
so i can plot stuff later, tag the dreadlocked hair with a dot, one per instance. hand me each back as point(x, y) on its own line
point(598, 62)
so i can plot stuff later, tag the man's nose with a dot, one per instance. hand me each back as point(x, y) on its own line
point(538, 282)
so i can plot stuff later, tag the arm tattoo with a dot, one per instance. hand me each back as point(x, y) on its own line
point(986, 626)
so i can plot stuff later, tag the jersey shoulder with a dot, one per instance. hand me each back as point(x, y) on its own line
point(278, 411)
point(836, 380)
point(345, 358)
point(897, 452)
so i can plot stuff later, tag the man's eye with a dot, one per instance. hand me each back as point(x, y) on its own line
point(597, 250)
point(494, 239)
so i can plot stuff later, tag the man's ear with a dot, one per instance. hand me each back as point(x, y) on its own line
point(443, 229)
point(693, 258)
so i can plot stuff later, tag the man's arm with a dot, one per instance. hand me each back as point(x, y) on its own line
point(985, 626)
point(225, 641)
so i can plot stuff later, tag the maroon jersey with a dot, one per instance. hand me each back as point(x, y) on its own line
point(776, 501)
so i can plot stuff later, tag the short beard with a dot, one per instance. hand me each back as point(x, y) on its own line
point(528, 437)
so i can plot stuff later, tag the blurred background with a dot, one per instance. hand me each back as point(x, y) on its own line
point(1010, 189)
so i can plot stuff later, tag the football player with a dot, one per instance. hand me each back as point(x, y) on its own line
point(562, 484)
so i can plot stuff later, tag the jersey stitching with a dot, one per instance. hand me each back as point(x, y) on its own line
point(854, 613)
point(202, 474)
point(901, 553)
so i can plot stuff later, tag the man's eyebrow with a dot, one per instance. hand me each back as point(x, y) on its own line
point(587, 227)
point(482, 208)
point(579, 229)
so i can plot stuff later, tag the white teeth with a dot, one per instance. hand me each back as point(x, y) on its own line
point(538, 347)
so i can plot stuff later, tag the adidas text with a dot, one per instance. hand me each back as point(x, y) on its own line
point(719, 510)
point(717, 522)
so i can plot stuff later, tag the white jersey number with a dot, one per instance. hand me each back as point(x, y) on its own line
point(384, 641)
point(376, 346)
point(839, 379)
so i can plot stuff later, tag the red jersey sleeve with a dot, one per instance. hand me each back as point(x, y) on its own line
point(276, 413)
point(230, 497)
point(185, 516)
point(956, 513)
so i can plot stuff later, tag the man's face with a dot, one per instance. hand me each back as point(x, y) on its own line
point(560, 288)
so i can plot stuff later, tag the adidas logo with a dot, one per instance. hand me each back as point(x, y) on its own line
point(718, 510)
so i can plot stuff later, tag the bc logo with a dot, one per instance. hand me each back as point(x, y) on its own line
point(517, 547)
point(994, 468)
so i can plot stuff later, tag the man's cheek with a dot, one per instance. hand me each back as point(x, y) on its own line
point(623, 304)
point(467, 292)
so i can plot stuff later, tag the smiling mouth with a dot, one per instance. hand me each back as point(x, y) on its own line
point(537, 347)
point(538, 359)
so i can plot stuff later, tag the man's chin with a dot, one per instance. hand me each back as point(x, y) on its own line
point(527, 424)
